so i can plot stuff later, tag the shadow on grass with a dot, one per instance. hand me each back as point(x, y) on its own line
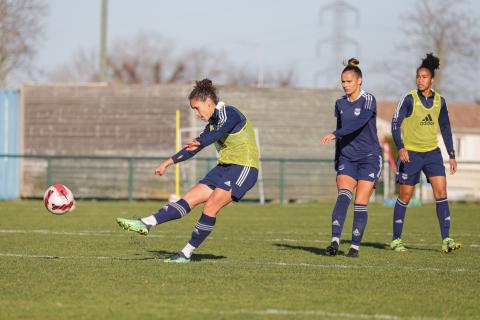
point(162, 254)
point(314, 250)
point(375, 245)
point(421, 249)
point(385, 246)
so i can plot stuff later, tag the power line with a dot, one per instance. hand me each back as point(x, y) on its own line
point(338, 39)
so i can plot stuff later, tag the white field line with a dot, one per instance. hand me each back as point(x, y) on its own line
point(313, 313)
point(104, 233)
point(323, 314)
point(237, 263)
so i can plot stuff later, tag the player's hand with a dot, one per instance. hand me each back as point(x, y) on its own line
point(403, 155)
point(329, 137)
point(453, 166)
point(192, 145)
point(160, 170)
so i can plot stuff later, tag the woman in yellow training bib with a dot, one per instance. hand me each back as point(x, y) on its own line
point(236, 172)
point(415, 125)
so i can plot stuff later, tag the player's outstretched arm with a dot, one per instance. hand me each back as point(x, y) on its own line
point(160, 170)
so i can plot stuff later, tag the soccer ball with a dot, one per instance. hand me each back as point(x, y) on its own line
point(59, 199)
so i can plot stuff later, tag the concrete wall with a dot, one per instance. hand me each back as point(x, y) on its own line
point(97, 119)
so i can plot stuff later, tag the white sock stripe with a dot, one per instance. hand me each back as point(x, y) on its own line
point(360, 209)
point(179, 208)
point(400, 202)
point(442, 200)
point(244, 176)
point(204, 226)
point(203, 229)
point(346, 193)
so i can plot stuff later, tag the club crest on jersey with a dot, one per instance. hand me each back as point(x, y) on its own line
point(356, 111)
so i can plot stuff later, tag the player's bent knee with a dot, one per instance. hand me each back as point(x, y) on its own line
point(441, 194)
point(211, 207)
point(405, 198)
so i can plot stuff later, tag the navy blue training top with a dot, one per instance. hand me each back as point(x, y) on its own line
point(356, 134)
point(225, 120)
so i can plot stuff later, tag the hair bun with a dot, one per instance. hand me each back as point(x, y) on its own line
point(205, 84)
point(431, 62)
point(352, 62)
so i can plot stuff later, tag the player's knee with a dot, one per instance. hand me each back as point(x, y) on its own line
point(211, 207)
point(440, 194)
point(406, 196)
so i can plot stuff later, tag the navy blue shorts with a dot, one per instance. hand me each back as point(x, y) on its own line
point(368, 168)
point(431, 163)
point(233, 177)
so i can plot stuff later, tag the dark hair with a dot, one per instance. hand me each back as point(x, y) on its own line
point(204, 89)
point(431, 63)
point(352, 65)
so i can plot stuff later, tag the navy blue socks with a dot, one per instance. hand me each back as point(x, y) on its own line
point(399, 218)
point(360, 217)
point(172, 211)
point(339, 213)
point(443, 215)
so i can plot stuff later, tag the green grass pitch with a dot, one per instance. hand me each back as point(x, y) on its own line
point(260, 262)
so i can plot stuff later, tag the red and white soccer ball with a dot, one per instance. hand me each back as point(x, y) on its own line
point(59, 199)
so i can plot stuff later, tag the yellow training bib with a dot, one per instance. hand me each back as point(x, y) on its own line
point(239, 147)
point(419, 131)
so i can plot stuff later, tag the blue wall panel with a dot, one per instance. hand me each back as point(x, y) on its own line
point(9, 144)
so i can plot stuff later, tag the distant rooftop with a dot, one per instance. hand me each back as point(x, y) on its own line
point(462, 116)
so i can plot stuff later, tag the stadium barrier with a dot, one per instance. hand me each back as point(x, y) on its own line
point(132, 177)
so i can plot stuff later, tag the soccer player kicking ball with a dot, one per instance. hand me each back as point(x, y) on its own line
point(235, 174)
point(358, 159)
point(414, 129)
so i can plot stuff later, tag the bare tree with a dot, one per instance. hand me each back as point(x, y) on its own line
point(151, 59)
point(146, 58)
point(449, 30)
point(82, 68)
point(21, 28)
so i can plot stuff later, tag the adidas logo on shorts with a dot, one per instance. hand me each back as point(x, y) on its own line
point(228, 183)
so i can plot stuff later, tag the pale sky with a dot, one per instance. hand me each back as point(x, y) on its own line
point(276, 33)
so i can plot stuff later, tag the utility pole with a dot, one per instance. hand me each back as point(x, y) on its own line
point(103, 41)
point(4, 43)
point(338, 39)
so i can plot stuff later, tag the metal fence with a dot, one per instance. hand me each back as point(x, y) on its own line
point(282, 180)
point(132, 178)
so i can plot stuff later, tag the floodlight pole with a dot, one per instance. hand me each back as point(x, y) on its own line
point(103, 41)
